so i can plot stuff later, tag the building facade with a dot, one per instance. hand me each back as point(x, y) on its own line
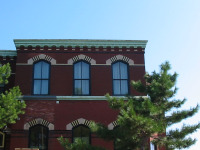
point(63, 83)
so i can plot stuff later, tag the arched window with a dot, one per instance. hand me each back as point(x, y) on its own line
point(81, 78)
point(38, 137)
point(81, 132)
point(2, 139)
point(41, 78)
point(120, 78)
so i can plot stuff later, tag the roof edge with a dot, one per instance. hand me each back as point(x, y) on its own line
point(10, 53)
point(79, 42)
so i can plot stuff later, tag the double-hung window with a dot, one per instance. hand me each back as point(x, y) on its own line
point(81, 78)
point(41, 78)
point(120, 78)
point(82, 133)
point(38, 137)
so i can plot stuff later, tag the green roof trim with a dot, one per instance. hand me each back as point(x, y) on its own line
point(80, 43)
point(10, 53)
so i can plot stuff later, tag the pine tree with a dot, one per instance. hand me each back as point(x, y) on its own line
point(143, 118)
point(135, 125)
point(161, 90)
point(10, 106)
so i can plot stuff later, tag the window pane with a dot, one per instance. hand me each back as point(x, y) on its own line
point(85, 70)
point(116, 72)
point(41, 78)
point(37, 87)
point(81, 72)
point(77, 131)
point(124, 87)
point(44, 87)
point(77, 70)
point(116, 86)
point(37, 70)
point(85, 87)
point(120, 78)
point(77, 87)
point(123, 71)
point(45, 70)
point(85, 131)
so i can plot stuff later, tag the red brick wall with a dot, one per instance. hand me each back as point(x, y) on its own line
point(61, 79)
point(61, 84)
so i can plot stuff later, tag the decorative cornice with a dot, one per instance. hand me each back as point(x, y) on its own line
point(63, 98)
point(80, 42)
point(10, 53)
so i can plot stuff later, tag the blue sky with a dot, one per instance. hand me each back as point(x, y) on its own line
point(172, 28)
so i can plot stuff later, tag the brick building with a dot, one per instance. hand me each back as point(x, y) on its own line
point(63, 83)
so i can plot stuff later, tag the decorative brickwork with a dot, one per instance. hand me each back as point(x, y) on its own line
point(38, 121)
point(78, 122)
point(112, 125)
point(42, 56)
point(120, 57)
point(81, 57)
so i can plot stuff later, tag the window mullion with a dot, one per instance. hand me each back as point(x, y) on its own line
point(81, 79)
point(41, 79)
point(120, 78)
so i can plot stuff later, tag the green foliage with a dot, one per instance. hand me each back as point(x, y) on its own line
point(10, 106)
point(135, 123)
point(140, 118)
point(77, 145)
point(161, 90)
point(5, 72)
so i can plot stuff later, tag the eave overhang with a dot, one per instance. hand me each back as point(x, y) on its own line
point(80, 43)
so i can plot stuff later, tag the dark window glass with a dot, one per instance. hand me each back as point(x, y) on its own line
point(41, 78)
point(2, 89)
point(152, 146)
point(81, 132)
point(2, 136)
point(38, 137)
point(120, 78)
point(81, 78)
